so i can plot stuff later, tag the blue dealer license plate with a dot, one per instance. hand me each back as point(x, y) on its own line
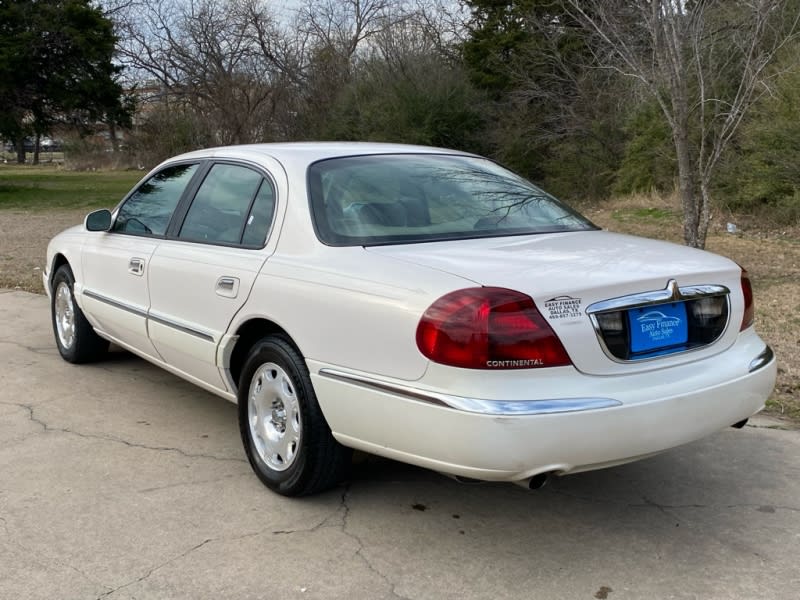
point(655, 327)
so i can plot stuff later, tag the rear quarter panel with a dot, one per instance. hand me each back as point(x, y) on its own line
point(345, 307)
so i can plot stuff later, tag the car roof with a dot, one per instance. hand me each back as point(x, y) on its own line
point(301, 154)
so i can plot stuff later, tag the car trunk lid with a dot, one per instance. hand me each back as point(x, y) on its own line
point(568, 275)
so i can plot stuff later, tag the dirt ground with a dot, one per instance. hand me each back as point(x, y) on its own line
point(771, 256)
point(23, 243)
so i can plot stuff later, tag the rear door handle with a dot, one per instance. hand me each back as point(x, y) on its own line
point(227, 287)
point(136, 266)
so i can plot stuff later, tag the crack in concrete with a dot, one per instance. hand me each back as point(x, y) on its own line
point(152, 570)
point(316, 527)
point(149, 572)
point(342, 513)
point(17, 439)
point(47, 428)
point(323, 523)
point(24, 407)
point(193, 482)
point(44, 350)
point(205, 542)
point(33, 557)
point(345, 507)
point(662, 508)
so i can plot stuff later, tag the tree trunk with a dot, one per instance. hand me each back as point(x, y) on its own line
point(20, 142)
point(705, 212)
point(691, 216)
point(112, 134)
point(36, 145)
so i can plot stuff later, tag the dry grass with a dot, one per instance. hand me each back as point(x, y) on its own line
point(771, 256)
point(23, 243)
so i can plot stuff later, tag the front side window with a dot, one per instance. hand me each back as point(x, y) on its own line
point(149, 209)
point(232, 206)
point(403, 198)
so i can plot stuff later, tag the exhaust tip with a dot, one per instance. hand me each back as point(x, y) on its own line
point(537, 482)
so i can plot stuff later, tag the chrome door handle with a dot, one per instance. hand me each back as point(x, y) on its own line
point(228, 287)
point(136, 266)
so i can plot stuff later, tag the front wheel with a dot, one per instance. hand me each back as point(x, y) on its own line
point(285, 435)
point(75, 337)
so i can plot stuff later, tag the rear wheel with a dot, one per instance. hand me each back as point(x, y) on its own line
point(75, 337)
point(285, 435)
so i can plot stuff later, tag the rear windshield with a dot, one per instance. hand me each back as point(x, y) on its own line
point(405, 198)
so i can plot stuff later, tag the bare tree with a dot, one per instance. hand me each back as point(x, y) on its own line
point(345, 24)
point(445, 24)
point(705, 62)
point(225, 61)
point(336, 35)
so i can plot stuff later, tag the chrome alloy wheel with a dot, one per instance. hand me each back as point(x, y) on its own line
point(274, 417)
point(64, 309)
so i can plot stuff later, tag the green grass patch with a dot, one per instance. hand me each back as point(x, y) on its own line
point(45, 188)
point(643, 214)
point(784, 408)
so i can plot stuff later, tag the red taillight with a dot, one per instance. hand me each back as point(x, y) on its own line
point(488, 328)
point(749, 310)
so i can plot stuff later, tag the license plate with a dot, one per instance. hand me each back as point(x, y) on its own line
point(656, 327)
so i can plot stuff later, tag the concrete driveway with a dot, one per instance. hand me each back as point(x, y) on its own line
point(118, 480)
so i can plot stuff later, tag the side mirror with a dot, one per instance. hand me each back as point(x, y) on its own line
point(99, 220)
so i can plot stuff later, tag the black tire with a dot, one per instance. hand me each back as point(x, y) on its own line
point(316, 461)
point(84, 345)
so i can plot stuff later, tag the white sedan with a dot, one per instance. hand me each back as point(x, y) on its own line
point(421, 304)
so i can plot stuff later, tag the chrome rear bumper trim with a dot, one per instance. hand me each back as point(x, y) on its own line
point(510, 408)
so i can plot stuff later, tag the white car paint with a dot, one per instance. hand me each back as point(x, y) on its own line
point(178, 270)
point(107, 272)
point(353, 312)
point(657, 411)
point(590, 266)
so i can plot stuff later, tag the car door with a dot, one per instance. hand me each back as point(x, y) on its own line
point(114, 290)
point(202, 274)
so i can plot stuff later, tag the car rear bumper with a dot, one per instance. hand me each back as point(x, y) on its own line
point(645, 414)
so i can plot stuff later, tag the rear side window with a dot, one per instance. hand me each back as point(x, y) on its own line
point(260, 218)
point(149, 209)
point(233, 205)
